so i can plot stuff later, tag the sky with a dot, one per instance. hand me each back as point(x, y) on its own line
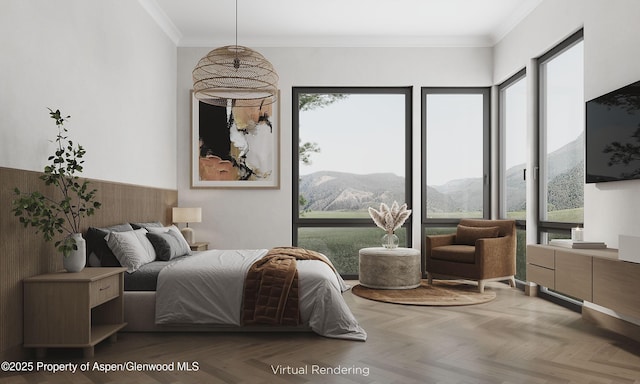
point(565, 97)
point(365, 134)
point(361, 134)
point(515, 116)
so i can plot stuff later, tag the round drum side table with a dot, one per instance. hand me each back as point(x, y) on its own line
point(395, 268)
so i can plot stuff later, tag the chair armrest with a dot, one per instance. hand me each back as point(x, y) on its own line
point(497, 255)
point(433, 241)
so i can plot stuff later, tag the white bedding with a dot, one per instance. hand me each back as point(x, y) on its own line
point(206, 288)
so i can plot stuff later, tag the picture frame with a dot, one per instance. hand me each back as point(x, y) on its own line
point(235, 147)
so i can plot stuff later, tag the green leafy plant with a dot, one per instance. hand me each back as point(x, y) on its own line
point(50, 216)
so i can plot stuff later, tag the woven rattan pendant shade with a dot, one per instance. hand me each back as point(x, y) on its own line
point(235, 73)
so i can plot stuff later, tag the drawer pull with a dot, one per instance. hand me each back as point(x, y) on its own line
point(105, 288)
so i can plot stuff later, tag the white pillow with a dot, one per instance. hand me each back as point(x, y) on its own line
point(129, 250)
point(185, 247)
point(141, 234)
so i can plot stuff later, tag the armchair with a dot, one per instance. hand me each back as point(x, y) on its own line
point(481, 250)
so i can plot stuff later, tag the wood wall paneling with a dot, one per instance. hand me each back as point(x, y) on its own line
point(23, 253)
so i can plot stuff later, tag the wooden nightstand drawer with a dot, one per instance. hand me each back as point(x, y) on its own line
point(104, 290)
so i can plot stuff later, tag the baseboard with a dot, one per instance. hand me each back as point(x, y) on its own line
point(611, 323)
point(15, 353)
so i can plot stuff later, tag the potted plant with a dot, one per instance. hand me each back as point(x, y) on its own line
point(55, 216)
point(390, 219)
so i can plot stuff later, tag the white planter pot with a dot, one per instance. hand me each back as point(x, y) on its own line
point(77, 259)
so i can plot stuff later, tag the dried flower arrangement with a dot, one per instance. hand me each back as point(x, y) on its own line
point(390, 218)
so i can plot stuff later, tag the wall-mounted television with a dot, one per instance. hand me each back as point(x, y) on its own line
point(613, 135)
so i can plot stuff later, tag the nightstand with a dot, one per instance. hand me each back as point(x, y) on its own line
point(199, 246)
point(73, 310)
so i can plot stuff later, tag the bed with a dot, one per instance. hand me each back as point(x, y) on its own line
point(170, 288)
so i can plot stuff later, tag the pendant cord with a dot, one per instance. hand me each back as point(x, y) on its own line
point(236, 61)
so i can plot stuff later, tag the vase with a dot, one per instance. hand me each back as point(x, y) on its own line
point(390, 240)
point(76, 259)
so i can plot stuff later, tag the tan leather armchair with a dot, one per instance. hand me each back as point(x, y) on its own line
point(481, 250)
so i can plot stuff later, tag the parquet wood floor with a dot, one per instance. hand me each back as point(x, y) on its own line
point(513, 339)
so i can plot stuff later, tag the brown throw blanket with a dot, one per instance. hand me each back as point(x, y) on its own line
point(271, 287)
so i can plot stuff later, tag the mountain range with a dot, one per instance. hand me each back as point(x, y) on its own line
point(336, 191)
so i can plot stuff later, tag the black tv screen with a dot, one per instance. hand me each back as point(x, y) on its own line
point(613, 136)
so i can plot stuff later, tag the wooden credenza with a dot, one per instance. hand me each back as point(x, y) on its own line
point(593, 275)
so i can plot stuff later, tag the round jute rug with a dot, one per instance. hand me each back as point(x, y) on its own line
point(441, 293)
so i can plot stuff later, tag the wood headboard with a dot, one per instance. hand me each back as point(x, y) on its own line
point(24, 253)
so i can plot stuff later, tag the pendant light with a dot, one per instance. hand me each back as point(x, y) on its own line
point(235, 75)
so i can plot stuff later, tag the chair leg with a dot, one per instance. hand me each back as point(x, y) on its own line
point(429, 278)
point(481, 286)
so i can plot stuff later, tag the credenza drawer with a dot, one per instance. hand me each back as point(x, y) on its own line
point(616, 285)
point(543, 257)
point(574, 275)
point(540, 275)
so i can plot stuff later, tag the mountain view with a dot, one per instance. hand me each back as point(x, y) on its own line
point(337, 191)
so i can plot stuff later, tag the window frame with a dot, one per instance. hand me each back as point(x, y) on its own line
point(302, 222)
point(545, 226)
point(521, 75)
point(521, 224)
point(486, 148)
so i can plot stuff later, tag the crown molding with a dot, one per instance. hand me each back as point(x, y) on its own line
point(349, 42)
point(163, 21)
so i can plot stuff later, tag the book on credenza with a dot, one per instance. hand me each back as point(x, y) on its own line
point(578, 244)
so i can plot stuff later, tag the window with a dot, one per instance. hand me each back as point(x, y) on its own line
point(352, 151)
point(561, 116)
point(455, 125)
point(513, 164)
point(513, 138)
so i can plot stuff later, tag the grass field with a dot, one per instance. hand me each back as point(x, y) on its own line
point(575, 215)
point(335, 215)
point(341, 245)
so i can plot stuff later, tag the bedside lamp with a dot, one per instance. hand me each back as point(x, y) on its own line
point(187, 215)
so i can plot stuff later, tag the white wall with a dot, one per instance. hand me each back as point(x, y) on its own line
point(611, 54)
point(262, 218)
point(105, 63)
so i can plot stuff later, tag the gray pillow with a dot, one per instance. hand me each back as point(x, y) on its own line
point(166, 244)
point(153, 224)
point(185, 249)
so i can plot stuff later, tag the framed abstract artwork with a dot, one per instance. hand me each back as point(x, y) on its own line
point(234, 147)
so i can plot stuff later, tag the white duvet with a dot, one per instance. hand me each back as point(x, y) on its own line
point(206, 288)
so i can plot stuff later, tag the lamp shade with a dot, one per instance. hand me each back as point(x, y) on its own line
point(187, 215)
point(235, 73)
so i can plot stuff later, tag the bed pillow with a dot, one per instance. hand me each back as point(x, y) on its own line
point(185, 248)
point(155, 224)
point(98, 252)
point(166, 245)
point(141, 234)
point(129, 249)
point(468, 235)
